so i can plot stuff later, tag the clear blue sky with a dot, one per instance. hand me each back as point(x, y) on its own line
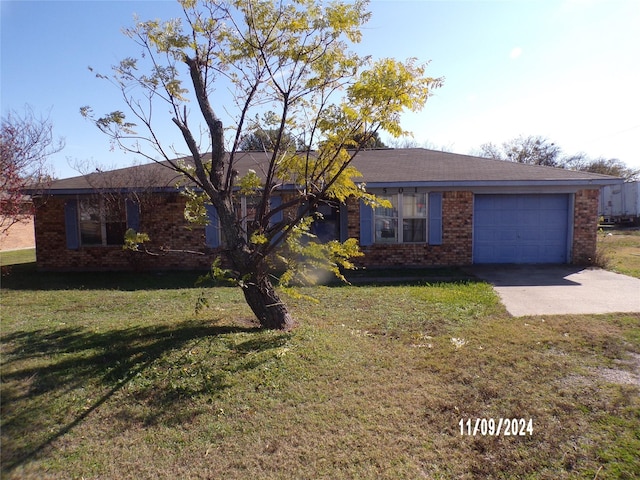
point(565, 69)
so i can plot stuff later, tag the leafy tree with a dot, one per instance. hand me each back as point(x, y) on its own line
point(604, 166)
point(536, 150)
point(532, 150)
point(263, 140)
point(26, 142)
point(294, 58)
point(264, 133)
point(369, 142)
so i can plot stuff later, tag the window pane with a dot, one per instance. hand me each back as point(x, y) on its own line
point(114, 212)
point(386, 222)
point(386, 230)
point(89, 211)
point(388, 212)
point(252, 208)
point(414, 205)
point(115, 233)
point(327, 226)
point(100, 215)
point(90, 231)
point(414, 230)
point(237, 207)
point(115, 221)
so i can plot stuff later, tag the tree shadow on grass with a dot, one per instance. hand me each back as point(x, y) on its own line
point(27, 277)
point(53, 379)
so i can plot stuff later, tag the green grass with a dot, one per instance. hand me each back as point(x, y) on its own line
point(619, 250)
point(109, 376)
point(17, 257)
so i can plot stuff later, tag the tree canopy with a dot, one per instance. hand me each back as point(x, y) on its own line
point(538, 150)
point(291, 61)
point(532, 150)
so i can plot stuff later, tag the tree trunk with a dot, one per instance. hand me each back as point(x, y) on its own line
point(266, 305)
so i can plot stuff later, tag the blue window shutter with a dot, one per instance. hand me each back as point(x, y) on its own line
point(72, 229)
point(435, 218)
point(275, 202)
point(366, 224)
point(133, 214)
point(344, 222)
point(212, 229)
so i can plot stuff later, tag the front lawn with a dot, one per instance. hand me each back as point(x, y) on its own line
point(117, 377)
point(17, 257)
point(620, 251)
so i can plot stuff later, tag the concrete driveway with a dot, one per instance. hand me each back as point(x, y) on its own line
point(560, 289)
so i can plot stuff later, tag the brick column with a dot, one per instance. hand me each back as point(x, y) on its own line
point(585, 226)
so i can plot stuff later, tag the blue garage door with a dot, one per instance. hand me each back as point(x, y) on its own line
point(520, 228)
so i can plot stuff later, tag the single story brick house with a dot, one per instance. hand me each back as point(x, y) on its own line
point(448, 210)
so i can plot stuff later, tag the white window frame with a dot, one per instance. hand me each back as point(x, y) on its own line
point(400, 218)
point(102, 212)
point(244, 202)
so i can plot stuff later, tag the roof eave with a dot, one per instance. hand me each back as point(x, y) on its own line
point(497, 183)
point(93, 191)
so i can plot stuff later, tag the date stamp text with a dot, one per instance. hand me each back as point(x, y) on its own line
point(506, 427)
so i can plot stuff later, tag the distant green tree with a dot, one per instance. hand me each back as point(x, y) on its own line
point(369, 142)
point(265, 141)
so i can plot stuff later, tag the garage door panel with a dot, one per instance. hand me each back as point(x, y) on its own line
point(507, 218)
point(485, 238)
point(554, 223)
point(528, 219)
point(520, 228)
point(550, 236)
point(530, 253)
point(528, 235)
point(486, 217)
point(551, 202)
point(506, 235)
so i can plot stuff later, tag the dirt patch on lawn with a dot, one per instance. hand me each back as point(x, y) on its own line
point(20, 235)
point(620, 376)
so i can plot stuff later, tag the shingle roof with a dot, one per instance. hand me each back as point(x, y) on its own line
point(413, 164)
point(378, 167)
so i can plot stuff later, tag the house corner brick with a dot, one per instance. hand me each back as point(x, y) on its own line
point(585, 226)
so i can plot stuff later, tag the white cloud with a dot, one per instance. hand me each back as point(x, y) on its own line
point(515, 53)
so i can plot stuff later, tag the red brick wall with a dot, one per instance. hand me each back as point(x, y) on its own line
point(163, 220)
point(585, 226)
point(457, 237)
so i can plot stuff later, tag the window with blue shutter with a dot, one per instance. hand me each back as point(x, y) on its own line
point(275, 202)
point(212, 229)
point(344, 222)
point(435, 218)
point(133, 214)
point(414, 217)
point(366, 224)
point(72, 230)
